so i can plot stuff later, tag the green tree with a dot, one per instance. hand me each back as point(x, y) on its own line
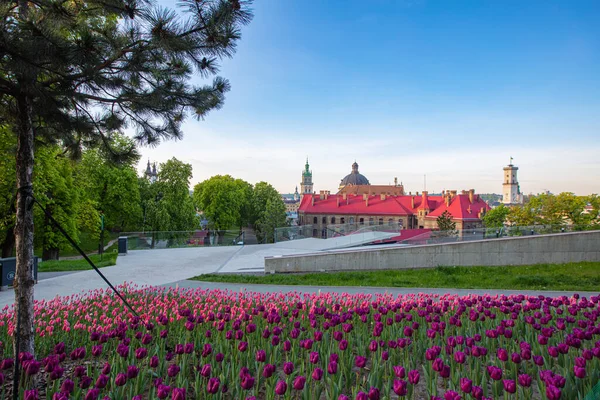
point(496, 217)
point(55, 188)
point(222, 199)
point(273, 216)
point(8, 146)
point(269, 211)
point(74, 72)
point(112, 188)
point(445, 224)
point(167, 203)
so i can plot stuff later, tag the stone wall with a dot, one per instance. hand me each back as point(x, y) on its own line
point(556, 248)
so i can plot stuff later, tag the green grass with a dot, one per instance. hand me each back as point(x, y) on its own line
point(581, 276)
point(108, 259)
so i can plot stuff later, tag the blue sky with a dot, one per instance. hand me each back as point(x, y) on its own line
point(447, 89)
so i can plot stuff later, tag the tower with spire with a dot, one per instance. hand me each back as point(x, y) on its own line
point(306, 184)
point(151, 173)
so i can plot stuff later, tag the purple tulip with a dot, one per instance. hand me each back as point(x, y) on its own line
point(451, 395)
point(178, 394)
point(374, 394)
point(154, 361)
point(343, 344)
point(106, 369)
point(466, 385)
point(213, 385)
point(31, 395)
point(121, 379)
point(247, 382)
point(317, 374)
point(288, 368)
point(477, 392)
point(85, 382)
point(93, 394)
point(141, 353)
point(280, 388)
point(413, 376)
point(132, 372)
point(173, 370)
point(524, 380)
point(400, 387)
point(460, 357)
point(360, 361)
point(102, 381)
point(502, 354)
point(261, 356)
point(97, 350)
point(67, 386)
point(314, 357)
point(494, 372)
point(243, 346)
point(399, 371)
point(361, 396)
point(206, 370)
point(332, 368)
point(343, 397)
point(268, 370)
point(299, 382)
point(162, 391)
point(552, 392)
point(579, 372)
point(509, 385)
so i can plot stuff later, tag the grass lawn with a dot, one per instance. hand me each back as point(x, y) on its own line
point(581, 276)
point(108, 259)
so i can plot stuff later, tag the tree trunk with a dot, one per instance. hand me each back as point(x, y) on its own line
point(23, 283)
point(50, 254)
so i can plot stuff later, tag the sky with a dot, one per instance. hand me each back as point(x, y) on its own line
point(439, 94)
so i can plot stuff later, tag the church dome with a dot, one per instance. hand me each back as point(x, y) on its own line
point(354, 178)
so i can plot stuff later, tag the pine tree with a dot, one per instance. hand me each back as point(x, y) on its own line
point(72, 72)
point(445, 224)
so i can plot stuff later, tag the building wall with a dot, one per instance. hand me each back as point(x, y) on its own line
point(525, 250)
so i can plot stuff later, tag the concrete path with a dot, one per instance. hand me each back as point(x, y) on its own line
point(237, 287)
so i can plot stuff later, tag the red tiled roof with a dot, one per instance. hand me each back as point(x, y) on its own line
point(392, 205)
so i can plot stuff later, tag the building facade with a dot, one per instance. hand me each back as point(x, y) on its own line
point(151, 174)
point(511, 191)
point(397, 211)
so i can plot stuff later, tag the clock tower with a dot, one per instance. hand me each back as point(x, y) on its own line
point(511, 192)
point(307, 183)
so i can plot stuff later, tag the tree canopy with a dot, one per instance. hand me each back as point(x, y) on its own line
point(74, 72)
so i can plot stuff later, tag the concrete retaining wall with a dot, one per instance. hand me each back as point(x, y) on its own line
point(557, 248)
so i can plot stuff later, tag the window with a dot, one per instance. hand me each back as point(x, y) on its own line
point(362, 221)
point(324, 220)
point(390, 221)
point(342, 220)
point(351, 220)
point(371, 221)
point(315, 221)
point(333, 220)
point(380, 221)
point(314, 233)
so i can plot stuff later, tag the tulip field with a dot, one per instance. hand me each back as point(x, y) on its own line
point(200, 344)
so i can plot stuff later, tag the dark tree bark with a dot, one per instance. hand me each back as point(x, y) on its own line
point(23, 283)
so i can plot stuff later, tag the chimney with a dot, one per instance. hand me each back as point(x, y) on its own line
point(344, 196)
point(312, 201)
point(321, 194)
point(417, 193)
point(453, 193)
point(447, 198)
point(382, 196)
point(395, 181)
point(412, 202)
point(471, 195)
point(326, 194)
point(338, 201)
point(365, 196)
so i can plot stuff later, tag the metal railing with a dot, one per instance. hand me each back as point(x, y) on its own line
point(180, 239)
point(436, 237)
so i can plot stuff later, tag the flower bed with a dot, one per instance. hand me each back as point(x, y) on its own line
point(194, 344)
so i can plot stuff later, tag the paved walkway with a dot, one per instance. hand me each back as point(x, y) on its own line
point(171, 267)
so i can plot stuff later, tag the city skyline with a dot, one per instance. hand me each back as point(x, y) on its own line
point(413, 88)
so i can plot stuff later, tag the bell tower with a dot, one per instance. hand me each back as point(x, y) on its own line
point(511, 192)
point(307, 184)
